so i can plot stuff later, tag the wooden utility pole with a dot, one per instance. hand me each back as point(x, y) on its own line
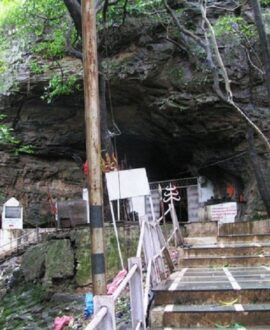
point(93, 145)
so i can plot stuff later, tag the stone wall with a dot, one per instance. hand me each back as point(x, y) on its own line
point(65, 256)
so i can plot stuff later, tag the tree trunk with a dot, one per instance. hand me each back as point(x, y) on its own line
point(265, 47)
point(260, 178)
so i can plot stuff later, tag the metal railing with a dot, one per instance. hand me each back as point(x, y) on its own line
point(14, 245)
point(155, 248)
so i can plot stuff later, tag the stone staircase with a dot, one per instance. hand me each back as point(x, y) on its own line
point(221, 285)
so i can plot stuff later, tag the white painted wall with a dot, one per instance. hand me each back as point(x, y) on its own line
point(206, 189)
point(193, 203)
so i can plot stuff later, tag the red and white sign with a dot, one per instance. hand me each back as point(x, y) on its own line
point(224, 212)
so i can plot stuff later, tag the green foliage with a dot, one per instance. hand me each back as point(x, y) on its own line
point(233, 25)
point(36, 68)
point(54, 48)
point(265, 3)
point(133, 8)
point(25, 149)
point(3, 67)
point(142, 7)
point(259, 216)
point(59, 86)
point(176, 74)
point(8, 9)
point(7, 137)
point(31, 21)
point(6, 133)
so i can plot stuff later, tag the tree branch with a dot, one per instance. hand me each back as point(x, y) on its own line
point(70, 50)
point(229, 98)
point(185, 32)
point(74, 8)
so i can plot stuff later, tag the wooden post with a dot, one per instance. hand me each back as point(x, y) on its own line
point(93, 144)
point(136, 294)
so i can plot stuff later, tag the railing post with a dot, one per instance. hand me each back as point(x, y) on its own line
point(178, 234)
point(37, 233)
point(136, 294)
point(166, 252)
point(108, 321)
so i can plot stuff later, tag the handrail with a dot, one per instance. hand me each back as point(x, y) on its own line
point(99, 316)
point(170, 238)
point(14, 244)
point(165, 213)
point(140, 244)
point(138, 325)
point(125, 281)
point(147, 286)
point(138, 296)
point(23, 236)
point(15, 240)
point(103, 310)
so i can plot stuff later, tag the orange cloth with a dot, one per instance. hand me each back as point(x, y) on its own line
point(230, 190)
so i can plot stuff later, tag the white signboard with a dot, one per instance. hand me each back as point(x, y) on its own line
point(224, 213)
point(12, 215)
point(137, 204)
point(85, 197)
point(127, 184)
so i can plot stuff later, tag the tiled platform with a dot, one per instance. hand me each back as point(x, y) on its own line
point(233, 293)
point(219, 278)
point(222, 282)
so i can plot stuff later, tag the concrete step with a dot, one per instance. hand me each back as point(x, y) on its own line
point(245, 227)
point(201, 240)
point(199, 316)
point(209, 286)
point(244, 238)
point(224, 261)
point(221, 249)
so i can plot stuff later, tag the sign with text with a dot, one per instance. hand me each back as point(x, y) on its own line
point(12, 216)
point(224, 212)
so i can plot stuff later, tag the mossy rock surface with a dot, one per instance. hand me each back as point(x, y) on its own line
point(59, 261)
point(82, 241)
point(33, 262)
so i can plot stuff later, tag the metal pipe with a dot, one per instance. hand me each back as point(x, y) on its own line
point(97, 319)
point(125, 281)
point(140, 244)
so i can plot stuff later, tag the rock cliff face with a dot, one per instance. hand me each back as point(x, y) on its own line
point(171, 121)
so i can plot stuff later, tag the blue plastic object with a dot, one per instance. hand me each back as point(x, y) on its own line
point(89, 306)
